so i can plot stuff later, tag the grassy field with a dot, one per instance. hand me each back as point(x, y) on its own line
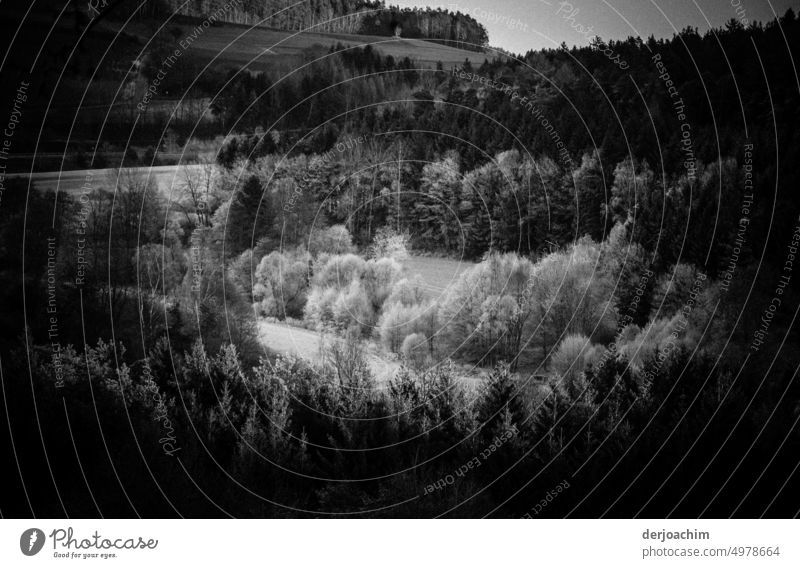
point(307, 344)
point(73, 182)
point(262, 49)
point(438, 274)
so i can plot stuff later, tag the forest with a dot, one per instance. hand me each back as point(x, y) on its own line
point(369, 17)
point(627, 314)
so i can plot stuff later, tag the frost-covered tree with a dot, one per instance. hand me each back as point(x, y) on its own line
point(281, 285)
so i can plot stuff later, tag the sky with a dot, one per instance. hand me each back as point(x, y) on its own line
point(520, 25)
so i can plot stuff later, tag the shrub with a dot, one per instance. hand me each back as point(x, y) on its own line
point(352, 310)
point(319, 308)
point(389, 243)
point(397, 322)
point(379, 278)
point(572, 357)
point(335, 240)
point(227, 152)
point(338, 271)
point(495, 298)
point(131, 157)
point(415, 349)
point(407, 292)
point(348, 292)
point(281, 285)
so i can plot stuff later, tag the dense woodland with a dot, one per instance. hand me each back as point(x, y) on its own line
point(614, 312)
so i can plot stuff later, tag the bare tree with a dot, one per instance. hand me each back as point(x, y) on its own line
point(197, 190)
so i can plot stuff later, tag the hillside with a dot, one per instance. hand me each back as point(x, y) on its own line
point(331, 16)
point(122, 62)
point(264, 49)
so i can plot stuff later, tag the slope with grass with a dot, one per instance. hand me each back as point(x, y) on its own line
point(437, 273)
point(264, 49)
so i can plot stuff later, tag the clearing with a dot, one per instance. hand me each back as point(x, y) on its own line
point(438, 274)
